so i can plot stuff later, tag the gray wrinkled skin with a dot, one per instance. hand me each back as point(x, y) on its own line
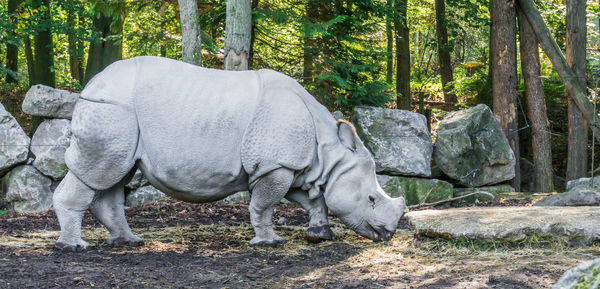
point(49, 144)
point(14, 143)
point(200, 135)
point(46, 101)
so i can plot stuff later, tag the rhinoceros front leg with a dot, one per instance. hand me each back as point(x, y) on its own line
point(266, 195)
point(318, 226)
point(71, 199)
point(108, 207)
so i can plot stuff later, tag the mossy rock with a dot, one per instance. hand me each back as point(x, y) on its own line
point(414, 190)
point(495, 191)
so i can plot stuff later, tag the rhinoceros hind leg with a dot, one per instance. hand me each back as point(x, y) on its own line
point(266, 195)
point(108, 207)
point(71, 199)
point(318, 227)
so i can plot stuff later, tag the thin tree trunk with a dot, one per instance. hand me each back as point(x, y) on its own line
point(29, 59)
point(12, 51)
point(536, 107)
point(504, 74)
point(578, 133)
point(191, 40)
point(403, 97)
point(309, 48)
point(106, 49)
point(252, 36)
point(444, 54)
point(43, 57)
point(390, 44)
point(238, 29)
point(75, 59)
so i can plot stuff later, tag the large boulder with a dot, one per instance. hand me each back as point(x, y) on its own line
point(574, 225)
point(398, 140)
point(414, 190)
point(49, 144)
point(472, 148)
point(239, 197)
point(29, 190)
point(14, 143)
point(584, 275)
point(583, 181)
point(143, 195)
point(582, 195)
point(46, 101)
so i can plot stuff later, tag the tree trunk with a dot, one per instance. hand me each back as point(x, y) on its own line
point(504, 74)
point(43, 57)
point(29, 59)
point(444, 54)
point(536, 107)
point(106, 50)
point(552, 50)
point(402, 56)
point(312, 13)
point(191, 36)
point(75, 57)
point(252, 36)
point(238, 30)
point(576, 44)
point(12, 51)
point(390, 44)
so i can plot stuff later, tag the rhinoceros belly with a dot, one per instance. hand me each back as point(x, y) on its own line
point(192, 121)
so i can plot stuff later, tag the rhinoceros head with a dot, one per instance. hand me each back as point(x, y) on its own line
point(354, 195)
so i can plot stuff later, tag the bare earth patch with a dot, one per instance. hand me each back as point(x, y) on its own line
point(206, 246)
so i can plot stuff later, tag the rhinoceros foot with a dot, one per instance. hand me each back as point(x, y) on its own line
point(133, 241)
point(81, 247)
point(319, 234)
point(277, 242)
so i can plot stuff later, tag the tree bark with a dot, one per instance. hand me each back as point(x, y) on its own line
point(390, 44)
point(12, 51)
point(107, 49)
point(552, 50)
point(444, 54)
point(536, 107)
point(576, 52)
point(403, 97)
point(29, 59)
point(75, 51)
point(191, 37)
point(504, 74)
point(238, 29)
point(252, 38)
point(43, 57)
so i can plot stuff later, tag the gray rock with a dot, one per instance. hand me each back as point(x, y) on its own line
point(14, 143)
point(138, 180)
point(583, 181)
point(46, 101)
point(415, 189)
point(239, 197)
point(472, 148)
point(582, 195)
point(143, 196)
point(398, 140)
point(29, 190)
point(586, 273)
point(337, 114)
point(576, 225)
point(49, 143)
point(488, 193)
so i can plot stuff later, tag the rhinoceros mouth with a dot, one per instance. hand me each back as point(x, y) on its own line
point(381, 234)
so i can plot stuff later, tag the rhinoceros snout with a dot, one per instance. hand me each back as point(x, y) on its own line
point(382, 234)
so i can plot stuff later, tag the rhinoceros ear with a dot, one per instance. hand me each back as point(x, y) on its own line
point(347, 135)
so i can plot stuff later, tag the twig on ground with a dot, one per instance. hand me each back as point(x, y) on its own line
point(449, 200)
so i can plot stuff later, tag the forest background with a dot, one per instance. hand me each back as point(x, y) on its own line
point(430, 56)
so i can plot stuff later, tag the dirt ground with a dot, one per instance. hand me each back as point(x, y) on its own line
point(206, 246)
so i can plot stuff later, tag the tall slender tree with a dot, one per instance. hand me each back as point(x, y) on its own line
point(43, 57)
point(75, 44)
point(578, 131)
point(252, 37)
point(403, 99)
point(443, 49)
point(238, 28)
point(12, 50)
point(389, 33)
point(536, 106)
point(504, 74)
point(191, 35)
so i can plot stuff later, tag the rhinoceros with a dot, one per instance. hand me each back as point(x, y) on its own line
point(202, 134)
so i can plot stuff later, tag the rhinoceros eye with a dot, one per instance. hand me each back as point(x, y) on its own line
point(371, 198)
